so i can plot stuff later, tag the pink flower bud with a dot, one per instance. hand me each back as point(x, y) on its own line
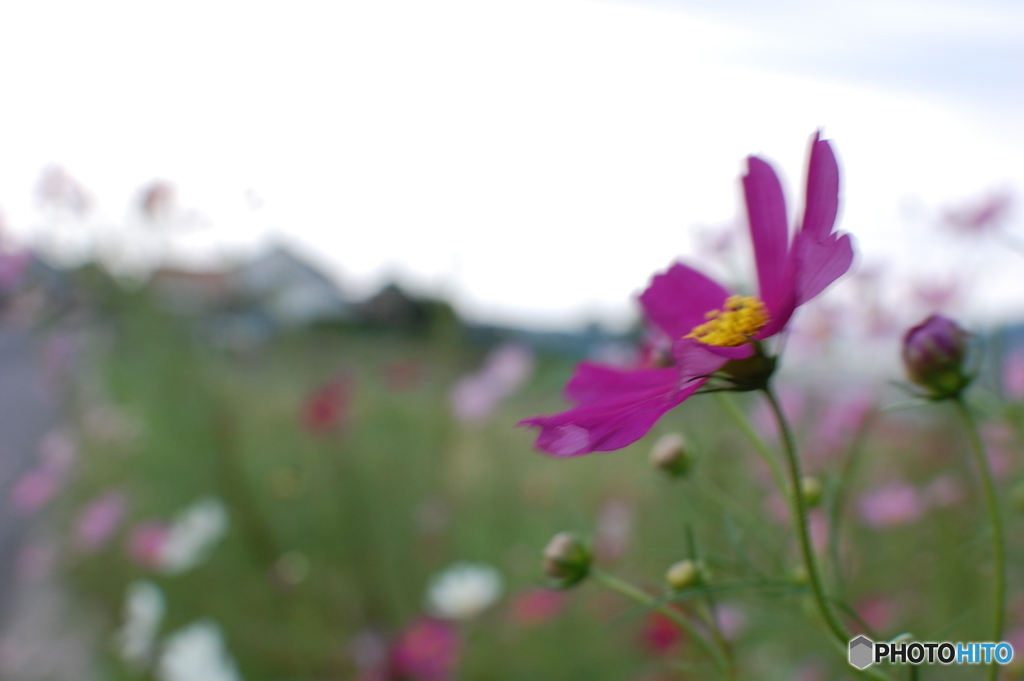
point(933, 354)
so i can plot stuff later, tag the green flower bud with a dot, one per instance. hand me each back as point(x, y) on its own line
point(566, 559)
point(811, 488)
point(684, 574)
point(669, 455)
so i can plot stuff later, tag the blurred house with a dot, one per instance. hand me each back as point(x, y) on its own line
point(291, 290)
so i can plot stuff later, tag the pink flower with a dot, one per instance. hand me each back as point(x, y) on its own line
point(891, 504)
point(476, 396)
point(427, 651)
point(710, 327)
point(877, 612)
point(327, 407)
point(99, 520)
point(731, 620)
point(660, 634)
point(1013, 375)
point(537, 606)
point(33, 490)
point(146, 543)
point(984, 215)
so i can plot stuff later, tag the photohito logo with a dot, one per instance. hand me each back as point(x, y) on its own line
point(865, 652)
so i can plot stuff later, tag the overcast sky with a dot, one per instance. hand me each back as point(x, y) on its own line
point(536, 160)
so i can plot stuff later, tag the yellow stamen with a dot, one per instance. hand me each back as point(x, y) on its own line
point(735, 324)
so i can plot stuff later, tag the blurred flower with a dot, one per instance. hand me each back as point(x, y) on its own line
point(984, 215)
point(713, 331)
point(144, 609)
point(537, 606)
point(57, 189)
point(33, 490)
point(157, 200)
point(891, 504)
point(1013, 375)
point(98, 521)
point(732, 620)
point(146, 542)
point(463, 590)
point(878, 612)
point(505, 370)
point(660, 635)
point(12, 269)
point(327, 407)
point(614, 525)
point(193, 535)
point(933, 356)
point(429, 650)
point(197, 653)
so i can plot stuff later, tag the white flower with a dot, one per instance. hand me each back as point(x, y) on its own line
point(193, 535)
point(144, 608)
point(463, 590)
point(197, 653)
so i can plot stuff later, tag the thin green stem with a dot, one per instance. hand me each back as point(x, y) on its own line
point(759, 444)
point(995, 520)
point(799, 506)
point(629, 591)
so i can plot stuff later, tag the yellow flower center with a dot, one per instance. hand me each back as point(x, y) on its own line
point(735, 324)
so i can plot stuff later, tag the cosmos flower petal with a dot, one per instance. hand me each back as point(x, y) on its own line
point(766, 212)
point(822, 203)
point(819, 263)
point(609, 424)
point(698, 359)
point(677, 300)
point(593, 383)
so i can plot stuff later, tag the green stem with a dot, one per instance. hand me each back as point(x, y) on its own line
point(759, 444)
point(629, 591)
point(995, 520)
point(799, 506)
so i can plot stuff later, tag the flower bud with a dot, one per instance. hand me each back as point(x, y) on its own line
point(685, 573)
point(933, 354)
point(669, 454)
point(566, 559)
point(811, 488)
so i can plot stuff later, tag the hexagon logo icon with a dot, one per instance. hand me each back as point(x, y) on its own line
point(861, 649)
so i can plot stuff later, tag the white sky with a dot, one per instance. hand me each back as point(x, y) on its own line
point(535, 160)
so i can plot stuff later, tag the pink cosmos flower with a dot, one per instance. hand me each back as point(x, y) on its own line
point(660, 634)
point(537, 606)
point(427, 651)
point(327, 408)
point(709, 326)
point(146, 543)
point(98, 521)
point(891, 504)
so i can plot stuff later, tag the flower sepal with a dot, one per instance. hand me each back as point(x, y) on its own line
point(751, 373)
